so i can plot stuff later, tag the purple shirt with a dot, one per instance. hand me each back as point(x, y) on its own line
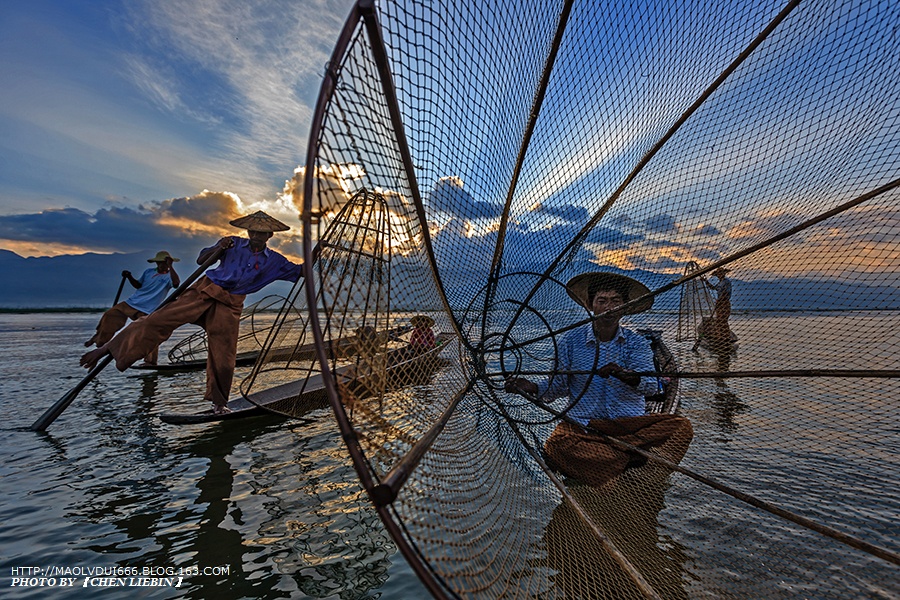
point(242, 271)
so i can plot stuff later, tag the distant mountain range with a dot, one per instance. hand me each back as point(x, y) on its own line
point(81, 280)
point(91, 280)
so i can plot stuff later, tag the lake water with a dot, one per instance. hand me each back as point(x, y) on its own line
point(271, 508)
point(274, 501)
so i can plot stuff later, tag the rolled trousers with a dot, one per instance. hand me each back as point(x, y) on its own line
point(113, 320)
point(205, 304)
point(579, 453)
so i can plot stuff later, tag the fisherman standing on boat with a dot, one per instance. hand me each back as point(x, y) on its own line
point(721, 333)
point(214, 302)
point(607, 399)
point(150, 291)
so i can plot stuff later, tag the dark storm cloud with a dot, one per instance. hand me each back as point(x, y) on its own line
point(113, 229)
point(206, 207)
point(610, 237)
point(661, 224)
point(572, 214)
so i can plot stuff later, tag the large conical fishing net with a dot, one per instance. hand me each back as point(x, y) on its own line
point(255, 325)
point(468, 159)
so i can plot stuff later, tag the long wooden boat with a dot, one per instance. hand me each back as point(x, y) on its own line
point(244, 359)
point(402, 366)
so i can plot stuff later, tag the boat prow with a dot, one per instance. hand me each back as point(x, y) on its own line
point(241, 360)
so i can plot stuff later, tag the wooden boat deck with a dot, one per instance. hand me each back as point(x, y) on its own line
point(309, 390)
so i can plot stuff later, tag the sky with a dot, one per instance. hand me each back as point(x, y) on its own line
point(132, 125)
point(141, 125)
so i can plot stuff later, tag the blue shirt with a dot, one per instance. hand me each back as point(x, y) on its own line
point(243, 271)
point(598, 398)
point(153, 290)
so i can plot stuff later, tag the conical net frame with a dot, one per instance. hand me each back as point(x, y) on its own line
point(516, 146)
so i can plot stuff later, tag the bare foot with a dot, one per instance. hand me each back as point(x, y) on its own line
point(89, 359)
point(221, 410)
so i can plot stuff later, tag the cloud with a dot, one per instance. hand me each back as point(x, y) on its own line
point(256, 65)
point(181, 225)
point(204, 212)
point(448, 197)
point(156, 100)
point(705, 229)
point(332, 188)
point(569, 213)
point(661, 224)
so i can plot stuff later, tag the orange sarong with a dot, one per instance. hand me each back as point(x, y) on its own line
point(581, 454)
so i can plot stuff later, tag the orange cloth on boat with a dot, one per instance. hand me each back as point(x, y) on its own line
point(204, 304)
point(581, 454)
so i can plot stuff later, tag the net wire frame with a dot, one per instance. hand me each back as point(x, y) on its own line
point(467, 159)
point(255, 323)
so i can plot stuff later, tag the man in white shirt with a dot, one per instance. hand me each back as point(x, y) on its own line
point(150, 291)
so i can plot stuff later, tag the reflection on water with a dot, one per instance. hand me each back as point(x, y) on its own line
point(277, 502)
point(110, 485)
point(627, 515)
point(728, 406)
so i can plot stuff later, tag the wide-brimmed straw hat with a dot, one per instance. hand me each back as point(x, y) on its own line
point(259, 221)
point(582, 287)
point(422, 321)
point(161, 256)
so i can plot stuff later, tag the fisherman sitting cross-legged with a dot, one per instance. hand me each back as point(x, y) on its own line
point(214, 302)
point(598, 365)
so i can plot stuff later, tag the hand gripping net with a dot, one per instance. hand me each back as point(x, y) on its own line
point(468, 158)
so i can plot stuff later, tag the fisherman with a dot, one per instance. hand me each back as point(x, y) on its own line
point(422, 337)
point(720, 331)
point(150, 290)
point(214, 302)
point(608, 399)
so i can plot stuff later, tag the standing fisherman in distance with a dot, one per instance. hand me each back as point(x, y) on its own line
point(150, 291)
point(215, 302)
point(721, 332)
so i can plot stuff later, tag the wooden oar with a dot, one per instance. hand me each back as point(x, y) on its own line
point(119, 293)
point(54, 411)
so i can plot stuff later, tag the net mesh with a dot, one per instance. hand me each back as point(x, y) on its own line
point(255, 324)
point(468, 159)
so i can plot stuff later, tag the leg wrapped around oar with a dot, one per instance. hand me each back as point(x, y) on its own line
point(112, 321)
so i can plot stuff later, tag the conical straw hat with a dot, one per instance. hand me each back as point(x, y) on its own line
point(161, 256)
point(259, 221)
point(581, 286)
point(422, 321)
